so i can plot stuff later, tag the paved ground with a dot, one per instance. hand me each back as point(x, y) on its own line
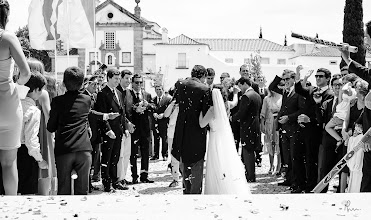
point(265, 183)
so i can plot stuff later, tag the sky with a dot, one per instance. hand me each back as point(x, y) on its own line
point(233, 18)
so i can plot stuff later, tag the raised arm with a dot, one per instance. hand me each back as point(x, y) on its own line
point(274, 85)
point(208, 117)
point(234, 102)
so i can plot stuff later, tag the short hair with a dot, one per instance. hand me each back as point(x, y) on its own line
point(363, 87)
point(36, 81)
point(198, 71)
point(245, 66)
point(289, 72)
point(225, 73)
point(244, 80)
point(73, 78)
point(335, 77)
point(351, 77)
point(4, 13)
point(158, 85)
point(210, 72)
point(136, 76)
point(368, 28)
point(36, 65)
point(223, 91)
point(111, 72)
point(325, 71)
point(125, 72)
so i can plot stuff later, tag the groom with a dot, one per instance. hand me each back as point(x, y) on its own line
point(189, 144)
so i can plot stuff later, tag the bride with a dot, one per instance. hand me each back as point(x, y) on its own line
point(225, 173)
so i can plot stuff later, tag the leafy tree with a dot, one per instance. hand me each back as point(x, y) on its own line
point(255, 66)
point(353, 33)
point(42, 55)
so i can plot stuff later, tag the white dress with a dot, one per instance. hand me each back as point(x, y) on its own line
point(355, 165)
point(225, 173)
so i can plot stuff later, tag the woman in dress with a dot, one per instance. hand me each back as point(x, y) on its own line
point(268, 120)
point(47, 183)
point(225, 173)
point(10, 106)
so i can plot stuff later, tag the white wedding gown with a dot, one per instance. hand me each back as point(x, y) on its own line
point(225, 173)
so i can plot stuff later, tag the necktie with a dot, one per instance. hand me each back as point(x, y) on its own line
point(115, 96)
point(138, 96)
point(336, 101)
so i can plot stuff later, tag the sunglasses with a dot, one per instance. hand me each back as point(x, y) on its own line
point(287, 79)
point(137, 82)
point(319, 76)
point(337, 84)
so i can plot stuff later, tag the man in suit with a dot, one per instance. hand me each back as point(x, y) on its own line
point(364, 73)
point(110, 100)
point(292, 106)
point(142, 107)
point(161, 102)
point(327, 156)
point(248, 115)
point(125, 152)
point(210, 77)
point(189, 145)
point(309, 121)
point(69, 120)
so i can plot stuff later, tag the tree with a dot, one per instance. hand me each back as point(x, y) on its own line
point(255, 66)
point(353, 33)
point(261, 33)
point(285, 42)
point(42, 55)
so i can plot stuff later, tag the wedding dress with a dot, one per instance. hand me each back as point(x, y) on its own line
point(225, 173)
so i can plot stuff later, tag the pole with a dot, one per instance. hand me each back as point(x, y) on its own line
point(68, 33)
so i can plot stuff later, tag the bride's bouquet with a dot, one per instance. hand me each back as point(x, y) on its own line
point(141, 106)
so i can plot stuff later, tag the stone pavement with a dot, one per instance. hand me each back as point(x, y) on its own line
point(265, 183)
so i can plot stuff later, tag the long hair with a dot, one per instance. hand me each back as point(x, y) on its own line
point(4, 12)
point(36, 65)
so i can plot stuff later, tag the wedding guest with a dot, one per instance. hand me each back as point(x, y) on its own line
point(248, 115)
point(268, 124)
point(161, 102)
point(29, 155)
point(69, 119)
point(210, 77)
point(10, 108)
point(223, 76)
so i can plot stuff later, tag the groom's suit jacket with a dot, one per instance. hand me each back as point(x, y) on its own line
point(189, 142)
point(248, 114)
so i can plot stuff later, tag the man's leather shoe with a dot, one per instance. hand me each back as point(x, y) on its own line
point(297, 190)
point(174, 183)
point(119, 186)
point(284, 183)
point(134, 181)
point(146, 181)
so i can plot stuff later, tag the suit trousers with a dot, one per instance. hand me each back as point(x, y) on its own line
point(110, 157)
point(249, 162)
point(96, 155)
point(81, 163)
point(141, 142)
point(293, 158)
point(192, 178)
point(125, 152)
point(161, 133)
point(236, 133)
point(327, 157)
point(366, 170)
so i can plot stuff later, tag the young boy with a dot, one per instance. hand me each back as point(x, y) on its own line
point(29, 158)
point(69, 119)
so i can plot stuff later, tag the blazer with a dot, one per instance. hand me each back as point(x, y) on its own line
point(106, 103)
point(69, 120)
point(292, 105)
point(160, 108)
point(248, 114)
point(128, 102)
point(189, 142)
point(141, 120)
point(97, 125)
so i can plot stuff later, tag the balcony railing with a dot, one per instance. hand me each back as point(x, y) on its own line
point(182, 64)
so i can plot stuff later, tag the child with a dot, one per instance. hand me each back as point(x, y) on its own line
point(346, 95)
point(29, 155)
point(69, 119)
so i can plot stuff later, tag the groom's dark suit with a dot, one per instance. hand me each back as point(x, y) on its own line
point(189, 144)
point(248, 114)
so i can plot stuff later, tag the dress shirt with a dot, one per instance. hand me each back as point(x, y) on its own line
point(323, 89)
point(30, 128)
point(114, 92)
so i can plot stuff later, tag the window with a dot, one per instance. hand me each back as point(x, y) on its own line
point(229, 60)
point(333, 62)
point(246, 60)
point(109, 60)
point(126, 57)
point(264, 60)
point(281, 61)
point(182, 60)
point(110, 40)
point(110, 15)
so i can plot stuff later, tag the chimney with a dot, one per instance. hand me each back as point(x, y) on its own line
point(137, 9)
point(165, 38)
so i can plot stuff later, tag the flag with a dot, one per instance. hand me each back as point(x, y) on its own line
point(71, 21)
